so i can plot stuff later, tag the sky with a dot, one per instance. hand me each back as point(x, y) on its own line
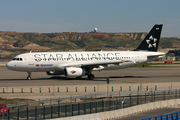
point(110, 16)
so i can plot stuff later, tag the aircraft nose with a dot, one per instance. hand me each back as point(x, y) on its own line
point(9, 65)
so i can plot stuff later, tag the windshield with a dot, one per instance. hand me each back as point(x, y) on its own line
point(17, 59)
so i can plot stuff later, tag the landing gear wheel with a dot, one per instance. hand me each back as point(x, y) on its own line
point(91, 77)
point(29, 76)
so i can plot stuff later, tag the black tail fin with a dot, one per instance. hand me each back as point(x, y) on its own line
point(151, 41)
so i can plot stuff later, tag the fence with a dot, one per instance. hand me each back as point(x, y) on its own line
point(94, 88)
point(94, 96)
point(89, 104)
point(56, 89)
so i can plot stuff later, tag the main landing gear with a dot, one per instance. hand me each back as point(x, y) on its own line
point(91, 77)
point(29, 76)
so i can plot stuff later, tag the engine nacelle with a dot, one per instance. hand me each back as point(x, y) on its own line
point(55, 72)
point(74, 72)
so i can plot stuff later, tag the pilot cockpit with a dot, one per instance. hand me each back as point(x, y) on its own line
point(18, 59)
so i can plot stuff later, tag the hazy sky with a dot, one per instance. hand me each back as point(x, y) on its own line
point(48, 16)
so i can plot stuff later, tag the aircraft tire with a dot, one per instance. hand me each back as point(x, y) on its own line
point(91, 77)
point(28, 78)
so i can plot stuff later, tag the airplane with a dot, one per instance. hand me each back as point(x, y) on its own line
point(78, 64)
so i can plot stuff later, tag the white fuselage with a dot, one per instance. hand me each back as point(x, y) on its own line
point(98, 60)
point(78, 64)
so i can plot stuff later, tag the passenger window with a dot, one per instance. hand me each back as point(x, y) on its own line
point(20, 59)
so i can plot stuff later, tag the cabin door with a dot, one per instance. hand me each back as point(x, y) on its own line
point(137, 58)
point(31, 60)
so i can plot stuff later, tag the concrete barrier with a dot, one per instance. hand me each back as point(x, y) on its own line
point(178, 101)
point(145, 107)
point(117, 113)
point(124, 112)
point(157, 105)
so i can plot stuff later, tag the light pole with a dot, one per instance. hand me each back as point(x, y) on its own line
point(107, 87)
point(122, 104)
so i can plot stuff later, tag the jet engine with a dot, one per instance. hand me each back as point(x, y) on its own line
point(74, 72)
point(55, 72)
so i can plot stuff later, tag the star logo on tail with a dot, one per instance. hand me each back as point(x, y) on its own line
point(151, 42)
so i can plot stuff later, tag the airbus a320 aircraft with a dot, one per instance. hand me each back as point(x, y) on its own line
point(78, 64)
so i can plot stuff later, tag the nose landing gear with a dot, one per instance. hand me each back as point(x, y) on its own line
point(29, 76)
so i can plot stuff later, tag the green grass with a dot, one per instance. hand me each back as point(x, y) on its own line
point(17, 100)
point(13, 101)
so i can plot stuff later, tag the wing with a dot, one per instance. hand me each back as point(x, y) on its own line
point(96, 65)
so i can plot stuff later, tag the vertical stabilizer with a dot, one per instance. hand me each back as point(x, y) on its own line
point(151, 41)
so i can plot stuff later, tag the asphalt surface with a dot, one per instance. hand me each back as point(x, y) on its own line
point(128, 75)
point(164, 77)
point(152, 113)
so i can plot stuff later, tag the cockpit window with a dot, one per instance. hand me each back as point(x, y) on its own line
point(18, 59)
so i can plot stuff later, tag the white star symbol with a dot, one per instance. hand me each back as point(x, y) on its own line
point(151, 42)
